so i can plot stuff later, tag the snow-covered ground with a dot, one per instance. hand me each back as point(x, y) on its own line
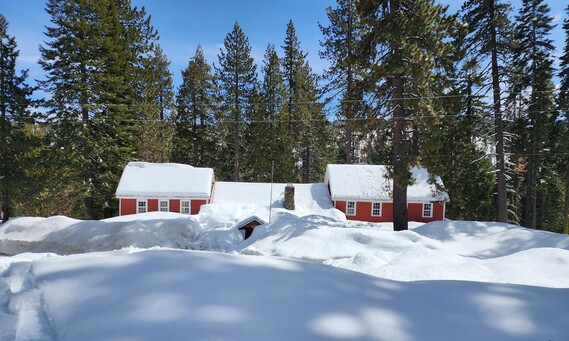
point(289, 281)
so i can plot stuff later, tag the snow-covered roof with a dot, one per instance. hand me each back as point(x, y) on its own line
point(173, 180)
point(371, 182)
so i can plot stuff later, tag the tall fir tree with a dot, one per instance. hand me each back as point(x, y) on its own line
point(303, 113)
point(408, 44)
point(195, 102)
point(86, 62)
point(267, 151)
point(563, 105)
point(237, 79)
point(489, 28)
point(154, 108)
point(16, 138)
point(342, 44)
point(533, 86)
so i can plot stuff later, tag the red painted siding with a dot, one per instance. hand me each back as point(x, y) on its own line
point(175, 205)
point(196, 204)
point(152, 205)
point(128, 206)
point(415, 212)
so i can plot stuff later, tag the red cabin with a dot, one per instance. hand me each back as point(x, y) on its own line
point(363, 192)
point(163, 187)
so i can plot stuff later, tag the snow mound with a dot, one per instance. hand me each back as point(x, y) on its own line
point(490, 239)
point(64, 235)
point(173, 295)
point(319, 238)
point(437, 251)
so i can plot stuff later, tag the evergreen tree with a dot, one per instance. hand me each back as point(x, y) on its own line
point(462, 164)
point(488, 24)
point(154, 108)
point(267, 130)
point(86, 61)
point(16, 138)
point(563, 105)
point(533, 66)
point(345, 75)
point(237, 79)
point(407, 48)
point(308, 135)
point(195, 101)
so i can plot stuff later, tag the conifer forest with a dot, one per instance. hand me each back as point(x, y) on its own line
point(478, 97)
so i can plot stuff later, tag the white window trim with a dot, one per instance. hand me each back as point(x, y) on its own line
point(355, 205)
point(380, 209)
point(431, 210)
point(145, 201)
point(160, 201)
point(189, 206)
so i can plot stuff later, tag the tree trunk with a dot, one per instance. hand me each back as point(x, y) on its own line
point(498, 124)
point(400, 217)
point(566, 204)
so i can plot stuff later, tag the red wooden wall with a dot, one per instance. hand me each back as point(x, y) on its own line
point(128, 206)
point(415, 212)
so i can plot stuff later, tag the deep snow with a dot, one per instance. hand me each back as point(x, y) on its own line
point(438, 281)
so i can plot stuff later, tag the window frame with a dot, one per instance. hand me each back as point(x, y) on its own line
point(139, 206)
point(429, 210)
point(189, 206)
point(348, 208)
point(373, 208)
point(160, 201)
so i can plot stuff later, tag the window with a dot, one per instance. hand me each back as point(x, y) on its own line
point(351, 208)
point(141, 206)
point(185, 207)
point(427, 210)
point(376, 209)
point(163, 206)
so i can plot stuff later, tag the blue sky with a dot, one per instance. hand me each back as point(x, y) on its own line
point(185, 24)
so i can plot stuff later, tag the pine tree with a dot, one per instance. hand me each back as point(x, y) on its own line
point(563, 105)
point(154, 108)
point(16, 140)
point(462, 164)
point(488, 24)
point(533, 66)
point(237, 79)
point(87, 65)
point(308, 132)
point(266, 140)
point(345, 75)
point(407, 51)
point(195, 102)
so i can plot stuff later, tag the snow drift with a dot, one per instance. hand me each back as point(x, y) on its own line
point(64, 235)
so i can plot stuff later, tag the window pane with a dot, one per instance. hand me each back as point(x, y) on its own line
point(376, 209)
point(163, 206)
point(185, 207)
point(142, 207)
point(351, 208)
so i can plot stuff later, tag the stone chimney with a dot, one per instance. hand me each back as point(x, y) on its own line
point(289, 197)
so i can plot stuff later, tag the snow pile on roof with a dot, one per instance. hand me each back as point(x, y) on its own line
point(64, 235)
point(519, 255)
point(371, 182)
point(173, 295)
point(235, 201)
point(143, 179)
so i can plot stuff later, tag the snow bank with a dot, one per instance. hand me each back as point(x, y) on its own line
point(436, 251)
point(165, 294)
point(64, 235)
